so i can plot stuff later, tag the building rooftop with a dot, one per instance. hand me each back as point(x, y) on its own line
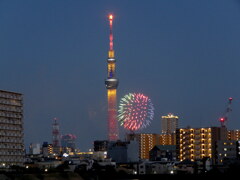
point(166, 147)
point(4, 91)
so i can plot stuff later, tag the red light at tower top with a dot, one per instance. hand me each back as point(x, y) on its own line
point(224, 118)
point(221, 119)
point(110, 17)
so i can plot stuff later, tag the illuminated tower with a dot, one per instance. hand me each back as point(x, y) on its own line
point(111, 84)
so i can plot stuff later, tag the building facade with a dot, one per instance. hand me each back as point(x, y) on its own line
point(133, 151)
point(11, 129)
point(163, 153)
point(47, 149)
point(146, 142)
point(68, 142)
point(169, 124)
point(168, 139)
point(226, 150)
point(198, 143)
point(234, 135)
point(34, 148)
point(100, 145)
point(117, 151)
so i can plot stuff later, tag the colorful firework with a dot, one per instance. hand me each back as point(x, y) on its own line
point(135, 112)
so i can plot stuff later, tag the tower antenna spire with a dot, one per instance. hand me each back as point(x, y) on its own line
point(111, 51)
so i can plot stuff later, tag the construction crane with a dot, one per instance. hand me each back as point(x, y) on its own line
point(224, 118)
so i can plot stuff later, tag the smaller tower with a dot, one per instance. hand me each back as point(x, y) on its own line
point(56, 137)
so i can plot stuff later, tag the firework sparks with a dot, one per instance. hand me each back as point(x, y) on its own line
point(136, 111)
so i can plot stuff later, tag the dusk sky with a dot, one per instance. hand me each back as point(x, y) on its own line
point(183, 54)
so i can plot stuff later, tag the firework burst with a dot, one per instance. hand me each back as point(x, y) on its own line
point(135, 111)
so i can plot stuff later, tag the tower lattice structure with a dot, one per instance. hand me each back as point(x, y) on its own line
point(111, 84)
point(56, 137)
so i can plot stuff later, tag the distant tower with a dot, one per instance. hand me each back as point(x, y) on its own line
point(56, 137)
point(111, 84)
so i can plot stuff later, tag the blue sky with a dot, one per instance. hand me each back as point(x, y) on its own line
point(183, 54)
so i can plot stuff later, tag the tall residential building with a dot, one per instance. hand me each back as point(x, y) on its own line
point(197, 143)
point(168, 139)
point(146, 142)
point(234, 135)
point(111, 84)
point(169, 124)
point(11, 129)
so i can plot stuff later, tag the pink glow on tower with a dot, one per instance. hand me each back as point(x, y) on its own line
point(110, 17)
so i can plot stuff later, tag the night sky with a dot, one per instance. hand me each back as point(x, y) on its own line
point(185, 55)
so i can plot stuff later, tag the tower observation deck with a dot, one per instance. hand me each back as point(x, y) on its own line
point(111, 84)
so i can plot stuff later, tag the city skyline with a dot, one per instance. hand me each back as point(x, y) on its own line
point(183, 55)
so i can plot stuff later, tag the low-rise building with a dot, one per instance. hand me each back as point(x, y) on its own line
point(156, 167)
point(34, 148)
point(117, 151)
point(163, 153)
point(47, 149)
